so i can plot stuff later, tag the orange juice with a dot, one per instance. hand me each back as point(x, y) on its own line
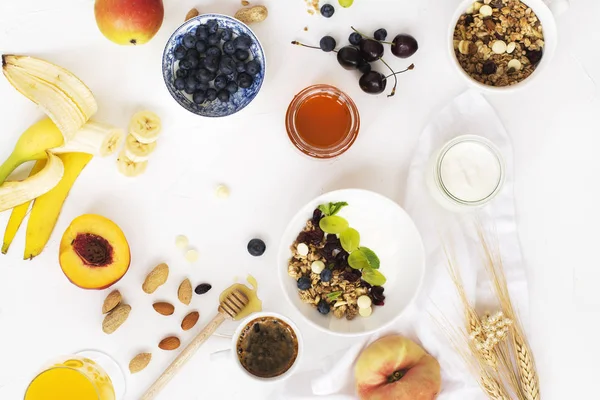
point(74, 379)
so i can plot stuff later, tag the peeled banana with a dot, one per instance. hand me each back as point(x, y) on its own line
point(32, 145)
point(47, 207)
point(18, 213)
point(62, 96)
point(145, 126)
point(130, 168)
point(13, 194)
point(95, 138)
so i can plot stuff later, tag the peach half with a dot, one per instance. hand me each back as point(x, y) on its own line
point(94, 253)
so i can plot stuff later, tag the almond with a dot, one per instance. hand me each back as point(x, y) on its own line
point(139, 362)
point(111, 301)
point(170, 343)
point(192, 13)
point(164, 308)
point(115, 318)
point(190, 320)
point(185, 292)
point(156, 278)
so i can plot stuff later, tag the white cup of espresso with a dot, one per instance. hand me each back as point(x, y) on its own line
point(546, 11)
point(232, 353)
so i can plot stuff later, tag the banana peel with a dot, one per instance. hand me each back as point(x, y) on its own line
point(19, 213)
point(46, 208)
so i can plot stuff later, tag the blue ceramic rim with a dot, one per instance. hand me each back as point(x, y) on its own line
point(214, 16)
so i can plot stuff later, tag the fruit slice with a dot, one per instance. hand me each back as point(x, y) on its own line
point(145, 126)
point(18, 213)
point(47, 207)
point(95, 138)
point(94, 253)
point(58, 97)
point(137, 151)
point(129, 167)
point(13, 194)
point(32, 145)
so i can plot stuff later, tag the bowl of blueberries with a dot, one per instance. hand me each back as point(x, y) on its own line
point(213, 65)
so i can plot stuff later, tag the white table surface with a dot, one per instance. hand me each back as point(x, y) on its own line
point(554, 126)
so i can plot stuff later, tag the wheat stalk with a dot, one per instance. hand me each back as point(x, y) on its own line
point(526, 367)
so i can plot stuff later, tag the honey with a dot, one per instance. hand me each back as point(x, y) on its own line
point(323, 120)
point(254, 303)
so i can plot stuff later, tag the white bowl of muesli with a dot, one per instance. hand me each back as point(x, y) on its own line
point(502, 45)
point(351, 262)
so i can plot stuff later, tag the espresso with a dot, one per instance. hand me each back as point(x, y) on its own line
point(267, 347)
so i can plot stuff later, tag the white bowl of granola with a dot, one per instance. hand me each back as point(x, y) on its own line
point(351, 284)
point(502, 45)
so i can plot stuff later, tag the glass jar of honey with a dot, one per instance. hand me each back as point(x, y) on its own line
point(322, 121)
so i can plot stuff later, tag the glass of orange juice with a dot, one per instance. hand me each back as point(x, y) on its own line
point(88, 375)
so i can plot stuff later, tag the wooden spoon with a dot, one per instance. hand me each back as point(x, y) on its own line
point(233, 304)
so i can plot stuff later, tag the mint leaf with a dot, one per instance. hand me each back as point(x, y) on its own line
point(358, 260)
point(373, 277)
point(332, 208)
point(371, 257)
point(333, 295)
point(350, 239)
point(325, 209)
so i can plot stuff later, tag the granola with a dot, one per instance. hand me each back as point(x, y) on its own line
point(499, 42)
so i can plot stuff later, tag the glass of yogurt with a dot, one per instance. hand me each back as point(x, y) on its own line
point(467, 173)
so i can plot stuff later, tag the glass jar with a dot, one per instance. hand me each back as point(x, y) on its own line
point(466, 173)
point(343, 102)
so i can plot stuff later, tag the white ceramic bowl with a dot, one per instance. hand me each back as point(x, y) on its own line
point(385, 228)
point(547, 19)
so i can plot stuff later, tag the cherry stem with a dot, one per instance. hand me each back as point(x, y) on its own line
point(410, 68)
point(369, 37)
point(395, 77)
point(294, 42)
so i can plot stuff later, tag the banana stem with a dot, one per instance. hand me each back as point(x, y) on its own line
point(8, 167)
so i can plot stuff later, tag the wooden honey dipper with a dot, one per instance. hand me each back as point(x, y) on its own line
point(229, 308)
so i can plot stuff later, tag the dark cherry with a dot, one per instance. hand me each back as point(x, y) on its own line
point(371, 50)
point(404, 46)
point(349, 57)
point(373, 82)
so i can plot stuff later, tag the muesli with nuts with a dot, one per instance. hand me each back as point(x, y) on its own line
point(499, 42)
point(333, 273)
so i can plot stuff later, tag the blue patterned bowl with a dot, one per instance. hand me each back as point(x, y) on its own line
point(215, 108)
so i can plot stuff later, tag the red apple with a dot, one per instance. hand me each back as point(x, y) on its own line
point(396, 368)
point(129, 22)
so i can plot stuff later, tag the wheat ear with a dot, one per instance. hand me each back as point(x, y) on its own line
point(492, 387)
point(530, 385)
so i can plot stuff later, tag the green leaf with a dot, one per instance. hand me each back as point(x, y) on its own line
point(350, 239)
point(333, 295)
point(371, 256)
point(332, 208)
point(358, 260)
point(373, 277)
point(333, 224)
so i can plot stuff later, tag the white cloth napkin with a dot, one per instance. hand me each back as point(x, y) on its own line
point(469, 113)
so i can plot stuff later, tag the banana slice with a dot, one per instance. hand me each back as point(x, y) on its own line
point(145, 126)
point(137, 151)
point(129, 167)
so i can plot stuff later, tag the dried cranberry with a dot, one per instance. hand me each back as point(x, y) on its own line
point(377, 290)
point(351, 276)
point(330, 251)
point(333, 239)
point(534, 56)
point(365, 284)
point(379, 302)
point(489, 68)
point(469, 20)
point(302, 237)
point(317, 216)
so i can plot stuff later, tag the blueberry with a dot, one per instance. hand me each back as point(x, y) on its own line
point(252, 67)
point(380, 34)
point(202, 86)
point(204, 75)
point(179, 83)
point(214, 39)
point(327, 44)
point(182, 73)
point(240, 66)
point(212, 25)
point(241, 55)
point(211, 63)
point(323, 307)
point(213, 51)
point(201, 46)
point(232, 87)
point(185, 64)
point(192, 53)
point(191, 81)
point(193, 61)
point(223, 95)
point(364, 67)
point(179, 52)
point(327, 10)
point(355, 38)
point(229, 47)
point(256, 247)
point(244, 80)
point(211, 94)
point(220, 82)
point(232, 77)
point(226, 34)
point(227, 65)
point(304, 283)
point(326, 275)
point(190, 90)
point(189, 41)
point(199, 96)
point(242, 42)
point(202, 32)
